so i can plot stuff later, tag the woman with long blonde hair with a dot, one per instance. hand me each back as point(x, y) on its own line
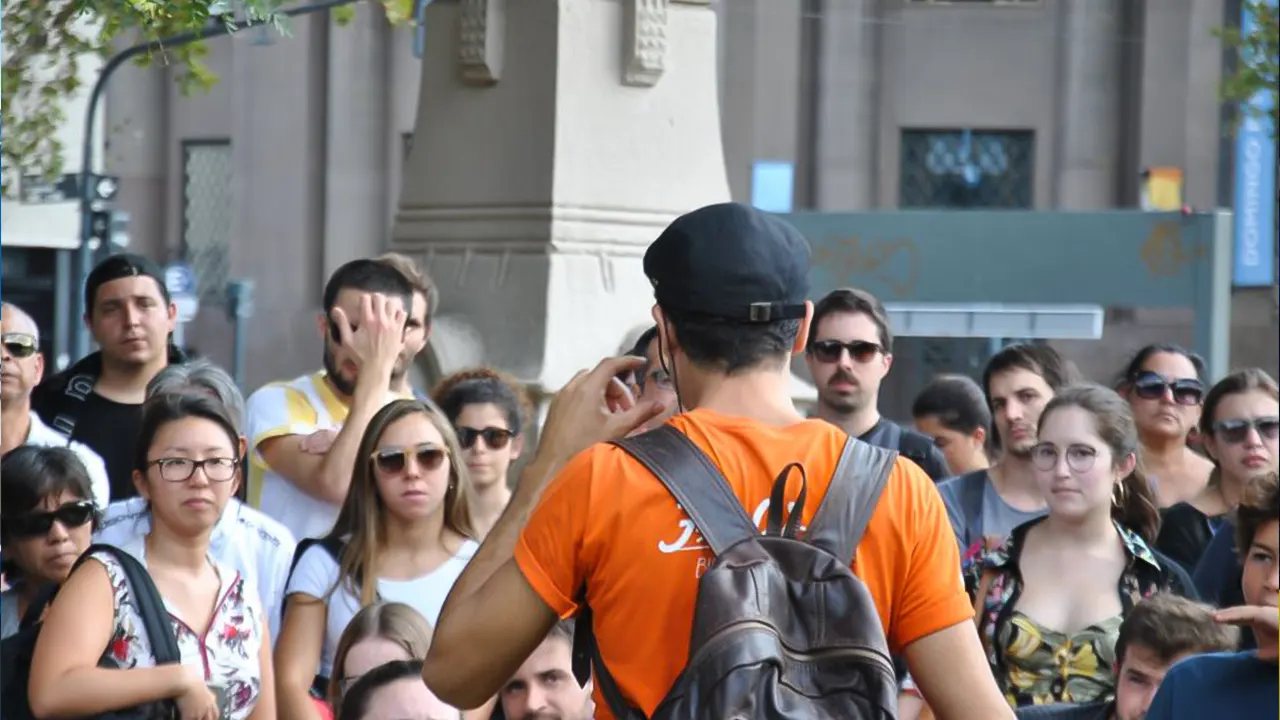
point(404, 534)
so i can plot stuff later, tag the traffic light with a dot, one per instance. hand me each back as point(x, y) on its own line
point(108, 232)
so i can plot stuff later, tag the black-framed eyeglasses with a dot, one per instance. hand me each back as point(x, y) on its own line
point(216, 469)
point(38, 524)
point(1080, 458)
point(1153, 386)
point(392, 461)
point(829, 351)
point(1236, 430)
point(660, 378)
point(495, 438)
point(19, 345)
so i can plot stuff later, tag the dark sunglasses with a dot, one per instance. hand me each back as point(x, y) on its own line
point(495, 438)
point(829, 351)
point(393, 461)
point(19, 345)
point(71, 515)
point(1237, 430)
point(1152, 386)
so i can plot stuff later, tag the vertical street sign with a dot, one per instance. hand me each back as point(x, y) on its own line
point(1255, 196)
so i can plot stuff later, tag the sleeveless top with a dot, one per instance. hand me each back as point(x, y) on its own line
point(226, 655)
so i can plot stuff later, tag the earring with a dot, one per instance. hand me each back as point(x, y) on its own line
point(1119, 494)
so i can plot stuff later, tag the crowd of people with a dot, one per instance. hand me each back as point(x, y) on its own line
point(345, 545)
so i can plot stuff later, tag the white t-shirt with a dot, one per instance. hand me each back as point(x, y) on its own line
point(42, 435)
point(300, 406)
point(244, 539)
point(317, 572)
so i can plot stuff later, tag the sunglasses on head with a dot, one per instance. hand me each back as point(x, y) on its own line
point(19, 345)
point(1237, 430)
point(829, 351)
point(394, 460)
point(495, 438)
point(1152, 386)
point(37, 524)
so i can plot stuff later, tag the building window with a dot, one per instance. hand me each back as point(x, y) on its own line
point(967, 169)
point(206, 215)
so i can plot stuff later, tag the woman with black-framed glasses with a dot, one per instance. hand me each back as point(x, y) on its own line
point(1240, 430)
point(94, 656)
point(1165, 393)
point(48, 521)
point(403, 535)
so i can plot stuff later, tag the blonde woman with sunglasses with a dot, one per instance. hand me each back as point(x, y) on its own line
point(404, 534)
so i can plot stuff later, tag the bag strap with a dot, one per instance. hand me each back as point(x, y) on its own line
point(36, 609)
point(695, 482)
point(852, 496)
point(972, 486)
point(155, 617)
point(588, 664)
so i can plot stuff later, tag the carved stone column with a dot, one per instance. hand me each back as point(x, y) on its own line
point(554, 141)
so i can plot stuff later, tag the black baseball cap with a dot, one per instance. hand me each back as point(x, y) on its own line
point(122, 265)
point(732, 262)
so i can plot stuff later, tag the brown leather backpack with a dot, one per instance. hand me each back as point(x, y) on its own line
point(783, 629)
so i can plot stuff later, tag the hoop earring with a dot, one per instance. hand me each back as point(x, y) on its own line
point(1119, 494)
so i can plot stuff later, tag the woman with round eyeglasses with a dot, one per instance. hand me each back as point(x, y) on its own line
point(487, 410)
point(403, 535)
point(1240, 429)
point(1162, 384)
point(47, 523)
point(92, 642)
point(1050, 599)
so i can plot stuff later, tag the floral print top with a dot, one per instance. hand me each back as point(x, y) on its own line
point(1034, 665)
point(227, 654)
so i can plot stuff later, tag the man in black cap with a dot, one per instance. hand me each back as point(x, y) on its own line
point(731, 285)
point(98, 400)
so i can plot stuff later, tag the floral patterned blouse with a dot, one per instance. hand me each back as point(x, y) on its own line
point(227, 654)
point(1034, 665)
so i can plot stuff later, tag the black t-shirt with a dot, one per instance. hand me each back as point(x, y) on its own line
point(109, 428)
point(917, 447)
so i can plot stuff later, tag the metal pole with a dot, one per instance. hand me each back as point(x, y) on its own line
point(239, 345)
point(84, 255)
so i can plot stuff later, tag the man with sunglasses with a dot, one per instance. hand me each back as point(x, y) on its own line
point(21, 369)
point(849, 352)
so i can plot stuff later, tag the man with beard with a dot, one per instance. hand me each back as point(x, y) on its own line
point(299, 468)
point(849, 353)
point(544, 687)
point(98, 400)
point(1018, 381)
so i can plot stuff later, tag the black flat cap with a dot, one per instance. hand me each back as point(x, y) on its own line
point(730, 261)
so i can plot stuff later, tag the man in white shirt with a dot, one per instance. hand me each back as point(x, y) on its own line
point(21, 369)
point(247, 540)
point(304, 433)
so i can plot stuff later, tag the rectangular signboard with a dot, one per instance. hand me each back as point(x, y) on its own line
point(1255, 196)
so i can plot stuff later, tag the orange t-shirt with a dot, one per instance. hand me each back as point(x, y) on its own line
point(606, 521)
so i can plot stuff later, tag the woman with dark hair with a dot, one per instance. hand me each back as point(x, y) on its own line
point(1240, 429)
point(48, 522)
point(1162, 384)
point(403, 535)
point(1050, 600)
point(488, 410)
point(187, 466)
point(953, 411)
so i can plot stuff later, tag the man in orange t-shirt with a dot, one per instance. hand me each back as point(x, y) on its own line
point(731, 285)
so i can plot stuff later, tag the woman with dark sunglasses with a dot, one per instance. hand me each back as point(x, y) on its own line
point(1240, 429)
point(403, 535)
point(487, 410)
point(1162, 384)
point(48, 521)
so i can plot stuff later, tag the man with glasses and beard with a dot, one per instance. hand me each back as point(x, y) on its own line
point(304, 433)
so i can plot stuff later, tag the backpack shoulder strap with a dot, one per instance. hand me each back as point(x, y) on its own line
point(155, 618)
point(971, 487)
point(851, 499)
point(695, 482)
point(892, 435)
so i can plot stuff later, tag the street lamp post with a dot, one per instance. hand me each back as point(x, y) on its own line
point(83, 261)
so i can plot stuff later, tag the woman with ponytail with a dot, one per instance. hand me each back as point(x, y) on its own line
point(1050, 600)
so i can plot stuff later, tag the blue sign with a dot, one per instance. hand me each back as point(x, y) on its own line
point(179, 279)
point(771, 186)
point(1255, 197)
